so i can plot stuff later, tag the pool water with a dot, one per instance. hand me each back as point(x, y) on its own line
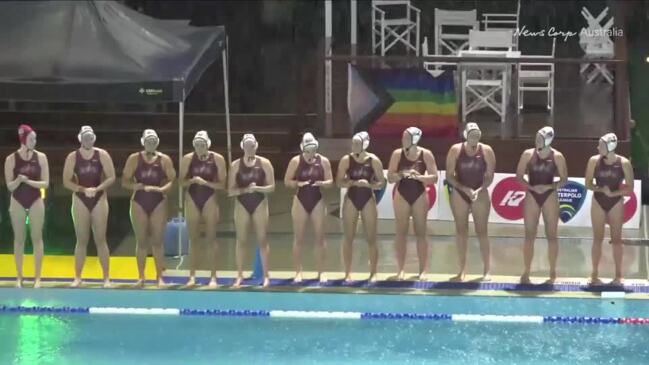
point(161, 340)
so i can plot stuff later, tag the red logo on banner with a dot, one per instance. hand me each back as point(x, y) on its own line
point(507, 198)
point(430, 190)
point(630, 206)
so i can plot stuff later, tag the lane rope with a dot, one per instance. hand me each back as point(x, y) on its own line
point(315, 315)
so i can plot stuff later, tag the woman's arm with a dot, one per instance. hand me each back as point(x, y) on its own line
point(68, 174)
point(341, 177)
point(329, 180)
point(377, 165)
point(431, 168)
point(490, 159)
point(222, 173)
point(627, 188)
point(233, 190)
point(109, 170)
point(170, 172)
point(184, 169)
point(12, 181)
point(393, 165)
point(270, 178)
point(128, 182)
point(289, 176)
point(521, 169)
point(44, 182)
point(560, 160)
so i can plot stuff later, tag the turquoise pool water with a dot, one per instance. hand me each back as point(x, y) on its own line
point(162, 340)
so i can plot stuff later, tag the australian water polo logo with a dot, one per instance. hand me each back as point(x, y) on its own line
point(571, 199)
point(507, 199)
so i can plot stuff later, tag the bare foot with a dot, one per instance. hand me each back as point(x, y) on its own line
point(486, 277)
point(191, 281)
point(458, 278)
point(617, 282)
point(107, 284)
point(75, 283)
point(525, 279)
point(401, 275)
point(266, 283)
point(372, 278)
point(423, 276)
point(161, 283)
point(595, 281)
point(298, 278)
point(322, 278)
point(237, 282)
point(347, 279)
point(139, 284)
point(213, 284)
point(551, 280)
point(37, 283)
point(19, 283)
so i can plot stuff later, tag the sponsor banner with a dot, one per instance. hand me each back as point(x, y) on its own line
point(507, 199)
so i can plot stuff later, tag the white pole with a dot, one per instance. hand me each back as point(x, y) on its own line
point(354, 25)
point(226, 97)
point(328, 103)
point(181, 133)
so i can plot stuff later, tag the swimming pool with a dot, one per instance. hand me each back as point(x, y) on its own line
point(161, 340)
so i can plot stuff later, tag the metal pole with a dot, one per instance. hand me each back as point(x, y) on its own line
point(327, 51)
point(226, 97)
point(181, 133)
point(354, 26)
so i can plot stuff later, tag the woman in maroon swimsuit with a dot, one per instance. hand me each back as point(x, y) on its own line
point(88, 172)
point(26, 173)
point(251, 178)
point(541, 164)
point(609, 171)
point(149, 174)
point(470, 170)
point(308, 172)
point(360, 172)
point(203, 172)
point(412, 168)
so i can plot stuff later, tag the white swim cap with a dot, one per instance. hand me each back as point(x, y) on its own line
point(363, 137)
point(548, 135)
point(469, 128)
point(308, 140)
point(611, 141)
point(202, 135)
point(147, 134)
point(415, 134)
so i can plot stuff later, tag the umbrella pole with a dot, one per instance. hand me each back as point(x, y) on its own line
point(181, 133)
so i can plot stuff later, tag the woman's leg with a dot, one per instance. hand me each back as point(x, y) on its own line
point(140, 222)
point(551, 221)
point(461, 210)
point(369, 215)
point(350, 221)
point(99, 223)
point(598, 220)
point(193, 219)
point(36, 221)
point(242, 222)
point(531, 215)
point(615, 222)
point(300, 218)
point(420, 220)
point(481, 208)
point(18, 216)
point(260, 220)
point(157, 227)
point(82, 229)
point(402, 213)
point(318, 215)
point(211, 218)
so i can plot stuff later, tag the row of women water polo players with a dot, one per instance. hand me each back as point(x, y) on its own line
point(149, 174)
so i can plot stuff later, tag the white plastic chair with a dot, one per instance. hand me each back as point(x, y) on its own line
point(488, 87)
point(495, 21)
point(596, 44)
point(452, 30)
point(537, 76)
point(394, 22)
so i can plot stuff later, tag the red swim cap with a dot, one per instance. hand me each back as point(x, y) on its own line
point(23, 131)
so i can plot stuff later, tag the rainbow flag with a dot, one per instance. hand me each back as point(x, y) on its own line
point(384, 102)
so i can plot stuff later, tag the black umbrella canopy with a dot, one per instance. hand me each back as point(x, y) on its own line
point(99, 51)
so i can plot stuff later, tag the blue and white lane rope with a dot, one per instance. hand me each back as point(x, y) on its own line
point(322, 315)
